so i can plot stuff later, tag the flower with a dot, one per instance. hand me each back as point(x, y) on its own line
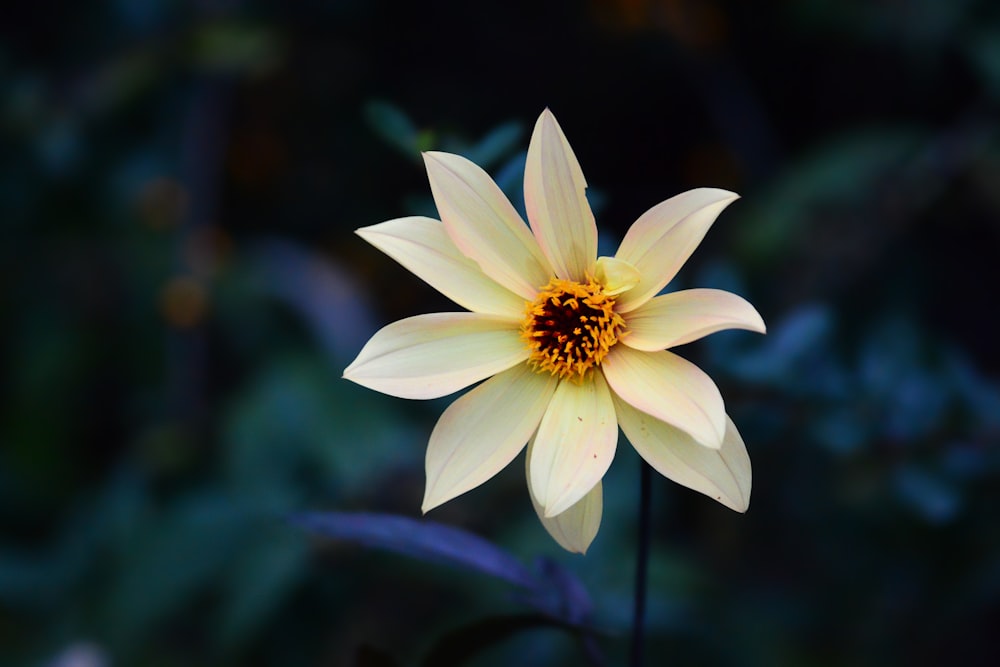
point(573, 345)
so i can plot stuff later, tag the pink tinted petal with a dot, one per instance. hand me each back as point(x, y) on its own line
point(423, 246)
point(481, 432)
point(574, 445)
point(484, 225)
point(681, 317)
point(663, 238)
point(669, 388)
point(723, 474)
point(434, 355)
point(577, 527)
point(555, 199)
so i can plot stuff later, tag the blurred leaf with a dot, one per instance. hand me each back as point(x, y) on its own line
point(259, 579)
point(794, 355)
point(236, 47)
point(842, 175)
point(295, 428)
point(43, 577)
point(841, 429)
point(983, 49)
point(60, 145)
point(982, 396)
point(510, 178)
point(425, 540)
point(460, 646)
point(911, 396)
point(174, 557)
point(930, 496)
point(329, 300)
point(497, 144)
point(395, 128)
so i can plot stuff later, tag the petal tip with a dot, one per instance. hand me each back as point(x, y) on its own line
point(433, 157)
point(428, 503)
point(741, 506)
point(710, 443)
point(721, 195)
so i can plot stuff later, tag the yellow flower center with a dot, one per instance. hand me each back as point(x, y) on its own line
point(570, 327)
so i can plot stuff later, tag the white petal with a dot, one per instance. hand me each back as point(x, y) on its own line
point(434, 355)
point(669, 388)
point(575, 528)
point(423, 246)
point(663, 238)
point(574, 445)
point(681, 317)
point(484, 225)
point(722, 474)
point(555, 199)
point(481, 432)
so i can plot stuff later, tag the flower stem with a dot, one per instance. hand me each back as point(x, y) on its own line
point(641, 565)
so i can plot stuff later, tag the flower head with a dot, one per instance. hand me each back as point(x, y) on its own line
point(574, 345)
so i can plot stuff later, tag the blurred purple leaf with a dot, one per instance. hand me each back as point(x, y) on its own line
point(565, 596)
point(425, 540)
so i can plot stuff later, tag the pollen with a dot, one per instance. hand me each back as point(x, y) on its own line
point(570, 327)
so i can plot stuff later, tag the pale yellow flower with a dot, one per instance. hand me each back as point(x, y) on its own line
point(574, 346)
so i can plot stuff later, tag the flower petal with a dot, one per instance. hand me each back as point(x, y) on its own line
point(481, 432)
point(423, 246)
point(669, 388)
point(574, 445)
point(577, 527)
point(722, 474)
point(434, 355)
point(484, 225)
point(615, 275)
point(681, 317)
point(555, 199)
point(663, 238)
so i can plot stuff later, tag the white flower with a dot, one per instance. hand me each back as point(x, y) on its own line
point(574, 346)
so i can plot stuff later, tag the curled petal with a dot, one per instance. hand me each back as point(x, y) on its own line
point(669, 388)
point(484, 225)
point(723, 474)
point(577, 527)
point(615, 275)
point(555, 199)
point(574, 445)
point(681, 317)
point(423, 246)
point(434, 355)
point(663, 238)
point(481, 432)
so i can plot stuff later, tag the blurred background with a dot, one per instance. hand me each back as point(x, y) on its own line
point(181, 290)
